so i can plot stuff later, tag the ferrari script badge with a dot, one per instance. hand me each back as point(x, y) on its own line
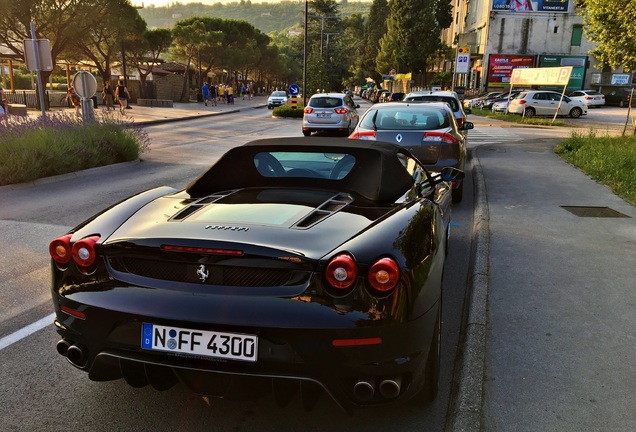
point(203, 273)
point(398, 138)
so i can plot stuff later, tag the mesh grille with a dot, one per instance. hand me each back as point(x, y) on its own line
point(217, 275)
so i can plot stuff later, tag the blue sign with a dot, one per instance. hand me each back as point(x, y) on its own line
point(294, 90)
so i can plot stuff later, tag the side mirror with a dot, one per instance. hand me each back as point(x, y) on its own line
point(467, 126)
point(468, 111)
point(452, 174)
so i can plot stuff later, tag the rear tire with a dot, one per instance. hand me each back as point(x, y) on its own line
point(306, 132)
point(621, 104)
point(530, 112)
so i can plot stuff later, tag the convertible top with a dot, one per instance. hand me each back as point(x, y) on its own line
point(377, 176)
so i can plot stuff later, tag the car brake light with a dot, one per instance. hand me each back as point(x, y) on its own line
point(342, 271)
point(83, 251)
point(460, 122)
point(308, 110)
point(340, 110)
point(384, 275)
point(363, 135)
point(588, 98)
point(441, 137)
point(521, 101)
point(60, 249)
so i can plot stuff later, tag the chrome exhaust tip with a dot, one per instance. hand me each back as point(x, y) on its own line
point(363, 390)
point(390, 388)
point(62, 346)
point(76, 355)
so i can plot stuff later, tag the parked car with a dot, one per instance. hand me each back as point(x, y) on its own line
point(285, 268)
point(592, 98)
point(476, 101)
point(500, 104)
point(277, 98)
point(330, 112)
point(395, 97)
point(619, 96)
point(449, 97)
point(545, 103)
point(378, 94)
point(428, 130)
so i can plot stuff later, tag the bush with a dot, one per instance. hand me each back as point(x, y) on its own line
point(287, 111)
point(31, 148)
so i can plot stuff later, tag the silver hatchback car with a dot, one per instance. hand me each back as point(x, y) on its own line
point(330, 112)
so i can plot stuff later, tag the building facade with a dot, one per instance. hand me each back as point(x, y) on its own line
point(505, 34)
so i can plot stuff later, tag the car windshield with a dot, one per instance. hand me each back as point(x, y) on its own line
point(325, 102)
point(435, 98)
point(279, 94)
point(424, 119)
point(332, 166)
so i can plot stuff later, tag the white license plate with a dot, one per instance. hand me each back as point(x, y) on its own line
point(233, 346)
point(323, 115)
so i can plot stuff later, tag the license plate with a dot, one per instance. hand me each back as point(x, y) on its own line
point(233, 346)
point(324, 115)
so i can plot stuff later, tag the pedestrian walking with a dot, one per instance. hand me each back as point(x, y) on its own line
point(221, 94)
point(122, 95)
point(108, 96)
point(206, 93)
point(74, 99)
point(3, 101)
point(230, 94)
point(213, 94)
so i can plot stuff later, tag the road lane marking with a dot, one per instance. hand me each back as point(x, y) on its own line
point(26, 331)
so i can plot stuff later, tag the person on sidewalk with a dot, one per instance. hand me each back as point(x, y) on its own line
point(230, 95)
point(206, 93)
point(74, 99)
point(108, 96)
point(122, 95)
point(213, 94)
point(221, 94)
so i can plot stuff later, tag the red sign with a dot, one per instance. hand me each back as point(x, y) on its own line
point(500, 66)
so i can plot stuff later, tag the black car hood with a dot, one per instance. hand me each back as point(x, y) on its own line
point(307, 223)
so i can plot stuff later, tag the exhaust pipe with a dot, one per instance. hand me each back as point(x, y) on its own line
point(76, 355)
point(390, 388)
point(364, 390)
point(62, 346)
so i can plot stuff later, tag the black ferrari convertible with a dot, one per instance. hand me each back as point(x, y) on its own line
point(287, 267)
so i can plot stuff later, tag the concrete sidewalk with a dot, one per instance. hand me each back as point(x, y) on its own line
point(552, 318)
point(146, 115)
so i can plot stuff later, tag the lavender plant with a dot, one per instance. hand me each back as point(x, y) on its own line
point(35, 147)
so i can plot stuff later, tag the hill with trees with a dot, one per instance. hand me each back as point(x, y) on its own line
point(266, 17)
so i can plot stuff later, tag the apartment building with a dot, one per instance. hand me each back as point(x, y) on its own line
point(504, 34)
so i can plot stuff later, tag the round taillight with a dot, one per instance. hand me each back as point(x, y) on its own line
point(84, 252)
point(384, 275)
point(60, 249)
point(342, 271)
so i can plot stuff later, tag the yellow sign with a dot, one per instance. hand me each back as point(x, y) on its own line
point(541, 76)
point(463, 50)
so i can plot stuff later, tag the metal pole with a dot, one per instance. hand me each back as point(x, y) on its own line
point(36, 53)
point(305, 58)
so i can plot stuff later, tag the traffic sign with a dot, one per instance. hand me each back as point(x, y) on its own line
point(44, 60)
point(294, 90)
point(85, 84)
point(463, 50)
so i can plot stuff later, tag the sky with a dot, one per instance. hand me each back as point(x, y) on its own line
point(159, 3)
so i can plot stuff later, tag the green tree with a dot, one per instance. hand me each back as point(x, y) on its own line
point(144, 51)
point(317, 80)
point(413, 35)
point(614, 33)
point(374, 30)
point(190, 36)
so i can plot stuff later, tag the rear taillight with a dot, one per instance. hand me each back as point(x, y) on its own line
point(363, 135)
point(308, 110)
point(384, 275)
point(341, 272)
point(60, 249)
point(83, 251)
point(340, 110)
point(588, 98)
point(460, 122)
point(522, 101)
point(440, 137)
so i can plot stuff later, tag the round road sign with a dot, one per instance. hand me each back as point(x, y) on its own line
point(294, 89)
point(85, 84)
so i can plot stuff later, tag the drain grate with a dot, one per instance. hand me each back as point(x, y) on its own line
point(586, 211)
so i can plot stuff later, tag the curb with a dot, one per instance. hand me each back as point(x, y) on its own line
point(466, 397)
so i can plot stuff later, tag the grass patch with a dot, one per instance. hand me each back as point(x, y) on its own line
point(60, 143)
point(516, 118)
point(609, 160)
point(287, 111)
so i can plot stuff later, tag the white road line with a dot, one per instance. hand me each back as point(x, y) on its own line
point(26, 331)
